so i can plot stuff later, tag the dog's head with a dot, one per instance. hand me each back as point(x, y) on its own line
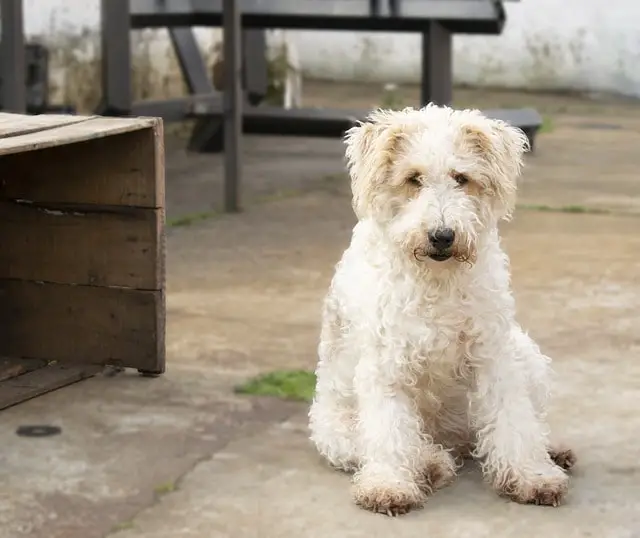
point(436, 178)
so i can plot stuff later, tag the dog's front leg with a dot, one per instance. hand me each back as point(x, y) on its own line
point(400, 464)
point(511, 434)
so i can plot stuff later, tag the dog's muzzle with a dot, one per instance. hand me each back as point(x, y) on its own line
point(440, 242)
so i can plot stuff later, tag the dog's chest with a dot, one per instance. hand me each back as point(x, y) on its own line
point(436, 335)
point(432, 323)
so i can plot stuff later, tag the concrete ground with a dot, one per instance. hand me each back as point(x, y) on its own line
point(183, 456)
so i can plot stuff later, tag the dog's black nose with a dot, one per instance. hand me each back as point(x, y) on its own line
point(442, 238)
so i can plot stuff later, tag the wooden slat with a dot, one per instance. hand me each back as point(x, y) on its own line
point(95, 127)
point(19, 124)
point(10, 368)
point(41, 381)
point(83, 324)
point(123, 169)
point(116, 246)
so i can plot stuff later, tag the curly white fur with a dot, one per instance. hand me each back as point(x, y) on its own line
point(422, 360)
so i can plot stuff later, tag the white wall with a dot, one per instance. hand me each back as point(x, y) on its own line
point(50, 18)
point(548, 44)
point(44, 17)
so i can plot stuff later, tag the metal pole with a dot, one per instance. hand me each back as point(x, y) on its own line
point(116, 58)
point(14, 87)
point(232, 103)
point(437, 65)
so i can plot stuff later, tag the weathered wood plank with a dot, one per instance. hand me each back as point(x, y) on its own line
point(10, 367)
point(100, 246)
point(83, 324)
point(82, 233)
point(123, 169)
point(94, 127)
point(19, 124)
point(41, 381)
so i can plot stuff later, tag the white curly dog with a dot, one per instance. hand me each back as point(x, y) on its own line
point(421, 360)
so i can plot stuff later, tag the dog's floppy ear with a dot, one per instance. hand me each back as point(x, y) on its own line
point(502, 147)
point(371, 148)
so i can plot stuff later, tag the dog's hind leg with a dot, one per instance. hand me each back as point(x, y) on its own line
point(333, 414)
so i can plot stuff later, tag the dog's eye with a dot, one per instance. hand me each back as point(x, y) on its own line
point(414, 179)
point(460, 179)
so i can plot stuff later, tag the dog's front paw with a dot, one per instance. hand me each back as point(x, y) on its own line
point(563, 457)
point(345, 466)
point(392, 496)
point(439, 471)
point(547, 487)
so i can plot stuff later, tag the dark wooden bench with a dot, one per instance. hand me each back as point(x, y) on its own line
point(437, 21)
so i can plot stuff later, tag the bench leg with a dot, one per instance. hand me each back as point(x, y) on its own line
point(437, 66)
point(207, 135)
point(255, 69)
point(116, 58)
point(232, 104)
point(190, 60)
point(14, 90)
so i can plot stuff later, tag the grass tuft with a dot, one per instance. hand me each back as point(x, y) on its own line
point(286, 384)
point(123, 526)
point(164, 489)
point(547, 125)
point(193, 218)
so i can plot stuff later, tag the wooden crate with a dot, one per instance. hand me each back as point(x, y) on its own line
point(82, 272)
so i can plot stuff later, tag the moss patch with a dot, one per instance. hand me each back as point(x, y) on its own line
point(547, 125)
point(566, 209)
point(164, 489)
point(286, 384)
point(123, 526)
point(193, 218)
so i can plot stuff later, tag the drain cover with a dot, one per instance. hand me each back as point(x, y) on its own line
point(38, 431)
